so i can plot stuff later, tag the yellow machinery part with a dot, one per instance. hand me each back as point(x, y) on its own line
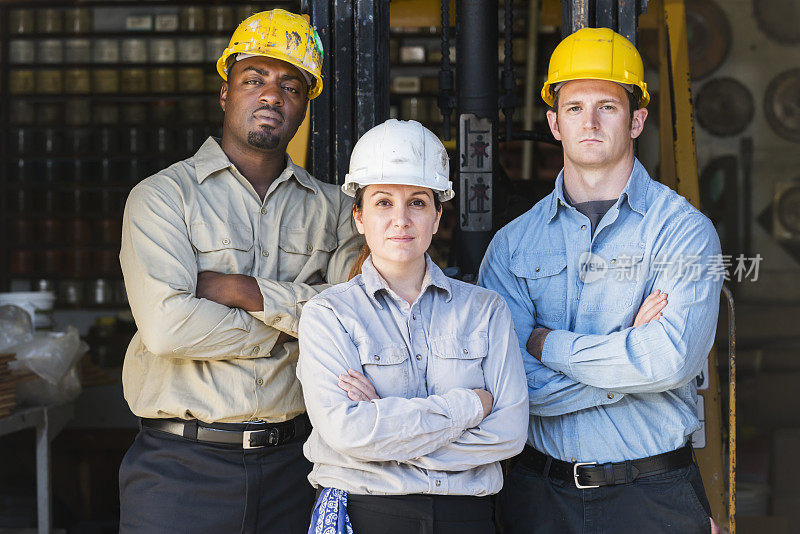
point(678, 169)
point(298, 146)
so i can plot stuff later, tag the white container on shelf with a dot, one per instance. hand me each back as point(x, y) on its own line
point(77, 51)
point(50, 51)
point(191, 50)
point(20, 51)
point(166, 22)
point(162, 51)
point(139, 23)
point(106, 51)
point(134, 51)
point(37, 304)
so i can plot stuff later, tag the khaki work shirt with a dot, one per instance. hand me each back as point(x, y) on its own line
point(192, 357)
point(426, 433)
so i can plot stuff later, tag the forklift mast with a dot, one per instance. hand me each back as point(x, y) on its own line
point(355, 40)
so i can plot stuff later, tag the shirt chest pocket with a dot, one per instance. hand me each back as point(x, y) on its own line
point(545, 275)
point(458, 362)
point(303, 255)
point(618, 284)
point(386, 367)
point(224, 249)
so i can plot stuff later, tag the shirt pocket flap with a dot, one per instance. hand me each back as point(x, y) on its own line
point(538, 264)
point(465, 348)
point(208, 238)
point(372, 355)
point(297, 241)
point(627, 259)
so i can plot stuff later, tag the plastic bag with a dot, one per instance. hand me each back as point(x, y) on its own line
point(40, 392)
point(15, 327)
point(50, 355)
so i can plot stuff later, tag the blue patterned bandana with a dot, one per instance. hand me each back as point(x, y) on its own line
point(330, 513)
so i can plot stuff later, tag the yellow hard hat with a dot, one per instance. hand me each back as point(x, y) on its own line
point(280, 35)
point(595, 54)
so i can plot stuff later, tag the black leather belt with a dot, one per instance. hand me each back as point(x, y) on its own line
point(593, 475)
point(252, 435)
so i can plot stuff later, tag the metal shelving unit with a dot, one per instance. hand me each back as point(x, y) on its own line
point(63, 170)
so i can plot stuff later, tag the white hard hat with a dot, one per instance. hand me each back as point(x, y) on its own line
point(399, 152)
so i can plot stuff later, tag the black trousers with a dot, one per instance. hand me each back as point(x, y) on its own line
point(420, 514)
point(169, 484)
point(671, 503)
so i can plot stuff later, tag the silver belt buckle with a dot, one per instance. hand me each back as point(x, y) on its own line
point(246, 439)
point(575, 467)
point(272, 438)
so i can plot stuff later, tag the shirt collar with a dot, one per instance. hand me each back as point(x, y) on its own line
point(635, 191)
point(210, 158)
point(374, 282)
point(556, 197)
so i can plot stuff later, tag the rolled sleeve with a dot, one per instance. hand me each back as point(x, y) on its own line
point(283, 302)
point(466, 409)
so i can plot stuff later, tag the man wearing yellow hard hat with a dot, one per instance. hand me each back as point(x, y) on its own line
point(613, 282)
point(219, 254)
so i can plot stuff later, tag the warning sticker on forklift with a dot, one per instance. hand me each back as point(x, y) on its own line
point(476, 201)
point(475, 144)
point(699, 436)
point(476, 188)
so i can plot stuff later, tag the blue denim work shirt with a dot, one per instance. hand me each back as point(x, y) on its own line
point(604, 390)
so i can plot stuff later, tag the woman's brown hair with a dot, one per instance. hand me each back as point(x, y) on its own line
point(363, 254)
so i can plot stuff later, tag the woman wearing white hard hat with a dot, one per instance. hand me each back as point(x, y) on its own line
point(413, 381)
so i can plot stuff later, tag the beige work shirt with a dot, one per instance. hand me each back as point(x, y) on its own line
point(192, 357)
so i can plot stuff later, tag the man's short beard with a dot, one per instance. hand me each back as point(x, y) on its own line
point(263, 139)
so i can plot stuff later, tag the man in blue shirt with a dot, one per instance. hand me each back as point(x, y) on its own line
point(613, 282)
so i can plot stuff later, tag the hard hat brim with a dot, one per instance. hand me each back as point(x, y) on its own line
point(549, 96)
point(313, 91)
point(350, 188)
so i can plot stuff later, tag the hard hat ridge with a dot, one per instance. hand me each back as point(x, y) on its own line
point(595, 54)
point(399, 152)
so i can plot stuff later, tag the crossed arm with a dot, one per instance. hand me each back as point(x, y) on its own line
point(664, 348)
point(234, 291)
point(181, 313)
point(650, 310)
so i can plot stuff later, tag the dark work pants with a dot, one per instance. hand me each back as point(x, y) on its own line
point(420, 514)
point(169, 484)
point(673, 503)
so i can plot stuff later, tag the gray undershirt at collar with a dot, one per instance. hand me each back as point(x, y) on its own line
point(594, 209)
